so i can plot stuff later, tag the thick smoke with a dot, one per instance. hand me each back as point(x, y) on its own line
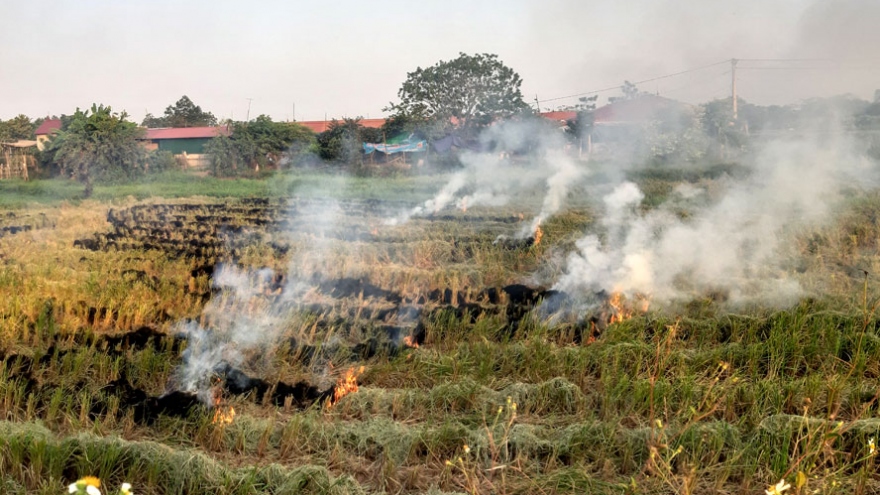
point(517, 158)
point(251, 311)
point(737, 244)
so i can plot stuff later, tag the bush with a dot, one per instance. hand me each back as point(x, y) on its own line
point(161, 161)
point(225, 158)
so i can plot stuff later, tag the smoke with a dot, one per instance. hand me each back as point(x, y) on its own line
point(251, 310)
point(738, 244)
point(520, 158)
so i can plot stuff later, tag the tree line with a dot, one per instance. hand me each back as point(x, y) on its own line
point(459, 97)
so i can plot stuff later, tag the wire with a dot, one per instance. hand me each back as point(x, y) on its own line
point(784, 60)
point(610, 88)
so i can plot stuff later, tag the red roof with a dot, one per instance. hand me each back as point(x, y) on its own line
point(186, 132)
point(559, 115)
point(48, 126)
point(319, 126)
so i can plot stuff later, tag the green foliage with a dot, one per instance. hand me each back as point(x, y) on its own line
point(225, 157)
point(19, 127)
point(676, 135)
point(184, 113)
point(341, 143)
point(99, 144)
point(262, 141)
point(161, 161)
point(467, 93)
point(258, 143)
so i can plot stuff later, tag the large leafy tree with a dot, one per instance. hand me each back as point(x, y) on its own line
point(20, 127)
point(184, 113)
point(466, 93)
point(99, 144)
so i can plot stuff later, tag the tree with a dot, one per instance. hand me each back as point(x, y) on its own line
point(184, 113)
point(260, 142)
point(630, 92)
point(16, 128)
point(99, 144)
point(341, 142)
point(226, 158)
point(466, 93)
point(583, 122)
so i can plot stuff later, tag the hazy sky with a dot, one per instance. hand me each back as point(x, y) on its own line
point(348, 58)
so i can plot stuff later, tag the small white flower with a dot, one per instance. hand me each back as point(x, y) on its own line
point(91, 490)
point(72, 488)
point(126, 489)
point(778, 489)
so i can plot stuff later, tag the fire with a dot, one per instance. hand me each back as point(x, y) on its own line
point(410, 341)
point(539, 234)
point(223, 415)
point(464, 205)
point(619, 312)
point(345, 385)
point(622, 309)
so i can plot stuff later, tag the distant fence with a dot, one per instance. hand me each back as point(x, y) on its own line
point(15, 160)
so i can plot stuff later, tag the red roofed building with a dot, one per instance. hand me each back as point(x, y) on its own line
point(46, 129)
point(560, 115)
point(186, 142)
point(640, 110)
point(319, 126)
point(179, 140)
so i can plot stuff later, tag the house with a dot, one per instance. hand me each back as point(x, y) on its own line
point(637, 111)
point(618, 124)
point(45, 131)
point(186, 142)
point(319, 126)
point(560, 116)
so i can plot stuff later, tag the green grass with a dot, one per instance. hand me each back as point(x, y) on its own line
point(694, 398)
point(16, 194)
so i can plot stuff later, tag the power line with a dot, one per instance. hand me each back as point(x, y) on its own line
point(666, 76)
point(785, 60)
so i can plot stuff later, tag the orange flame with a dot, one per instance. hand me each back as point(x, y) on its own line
point(464, 205)
point(621, 309)
point(539, 234)
point(410, 341)
point(345, 385)
point(222, 415)
point(619, 312)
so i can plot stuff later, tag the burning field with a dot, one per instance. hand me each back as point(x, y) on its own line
point(485, 341)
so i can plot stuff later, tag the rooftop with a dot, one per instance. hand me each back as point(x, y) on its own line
point(48, 126)
point(319, 126)
point(186, 132)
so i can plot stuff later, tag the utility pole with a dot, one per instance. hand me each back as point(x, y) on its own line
point(733, 62)
point(248, 116)
point(537, 104)
point(294, 111)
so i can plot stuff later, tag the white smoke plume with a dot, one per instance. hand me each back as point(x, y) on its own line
point(525, 156)
point(240, 320)
point(737, 244)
